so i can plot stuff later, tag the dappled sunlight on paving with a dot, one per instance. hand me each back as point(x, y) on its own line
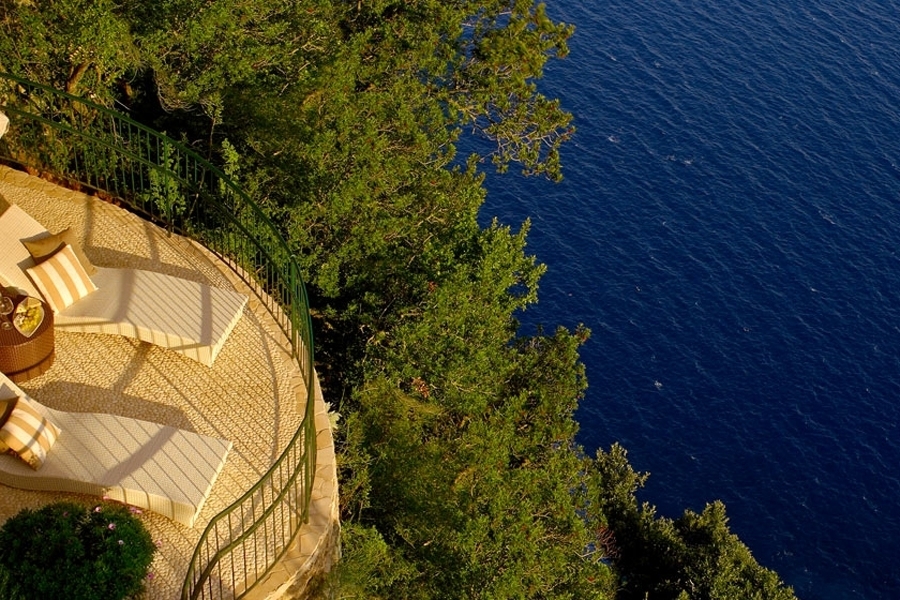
point(248, 396)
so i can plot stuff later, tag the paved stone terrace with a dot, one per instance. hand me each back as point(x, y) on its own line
point(253, 395)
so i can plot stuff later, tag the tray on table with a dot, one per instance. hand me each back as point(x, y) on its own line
point(29, 354)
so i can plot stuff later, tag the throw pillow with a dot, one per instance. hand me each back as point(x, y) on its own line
point(61, 279)
point(43, 248)
point(6, 407)
point(29, 434)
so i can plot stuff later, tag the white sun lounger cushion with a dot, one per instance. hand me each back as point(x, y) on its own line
point(156, 467)
point(186, 316)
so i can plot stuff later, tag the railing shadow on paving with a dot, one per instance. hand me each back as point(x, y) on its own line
point(81, 142)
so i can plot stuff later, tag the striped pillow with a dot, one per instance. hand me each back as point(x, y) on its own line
point(61, 279)
point(6, 407)
point(29, 434)
point(43, 248)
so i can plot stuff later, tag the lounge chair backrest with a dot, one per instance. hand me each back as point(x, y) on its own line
point(17, 225)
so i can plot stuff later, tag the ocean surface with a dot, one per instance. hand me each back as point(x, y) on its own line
point(729, 229)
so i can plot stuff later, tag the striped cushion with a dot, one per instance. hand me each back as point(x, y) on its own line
point(43, 248)
point(61, 279)
point(6, 408)
point(29, 434)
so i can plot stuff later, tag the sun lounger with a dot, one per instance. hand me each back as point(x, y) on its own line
point(156, 467)
point(185, 316)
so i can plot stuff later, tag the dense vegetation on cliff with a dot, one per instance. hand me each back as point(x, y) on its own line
point(461, 477)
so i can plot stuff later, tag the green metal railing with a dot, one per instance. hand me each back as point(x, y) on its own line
point(79, 141)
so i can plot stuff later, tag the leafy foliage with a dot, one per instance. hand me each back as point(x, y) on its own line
point(198, 50)
point(469, 471)
point(692, 557)
point(479, 488)
point(80, 46)
point(67, 550)
point(369, 567)
point(164, 190)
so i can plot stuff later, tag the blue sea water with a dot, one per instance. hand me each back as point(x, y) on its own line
point(729, 229)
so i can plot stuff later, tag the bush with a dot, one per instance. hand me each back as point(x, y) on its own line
point(67, 550)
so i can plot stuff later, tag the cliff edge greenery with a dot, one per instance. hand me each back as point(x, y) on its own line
point(460, 473)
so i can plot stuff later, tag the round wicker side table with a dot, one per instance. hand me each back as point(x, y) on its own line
point(23, 358)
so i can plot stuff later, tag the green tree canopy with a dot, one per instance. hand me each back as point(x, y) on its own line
point(80, 46)
point(694, 557)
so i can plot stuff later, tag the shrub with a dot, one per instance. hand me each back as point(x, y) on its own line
point(68, 550)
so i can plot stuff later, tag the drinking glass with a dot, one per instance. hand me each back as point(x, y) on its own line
point(6, 308)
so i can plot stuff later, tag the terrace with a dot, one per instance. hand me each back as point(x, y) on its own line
point(271, 516)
